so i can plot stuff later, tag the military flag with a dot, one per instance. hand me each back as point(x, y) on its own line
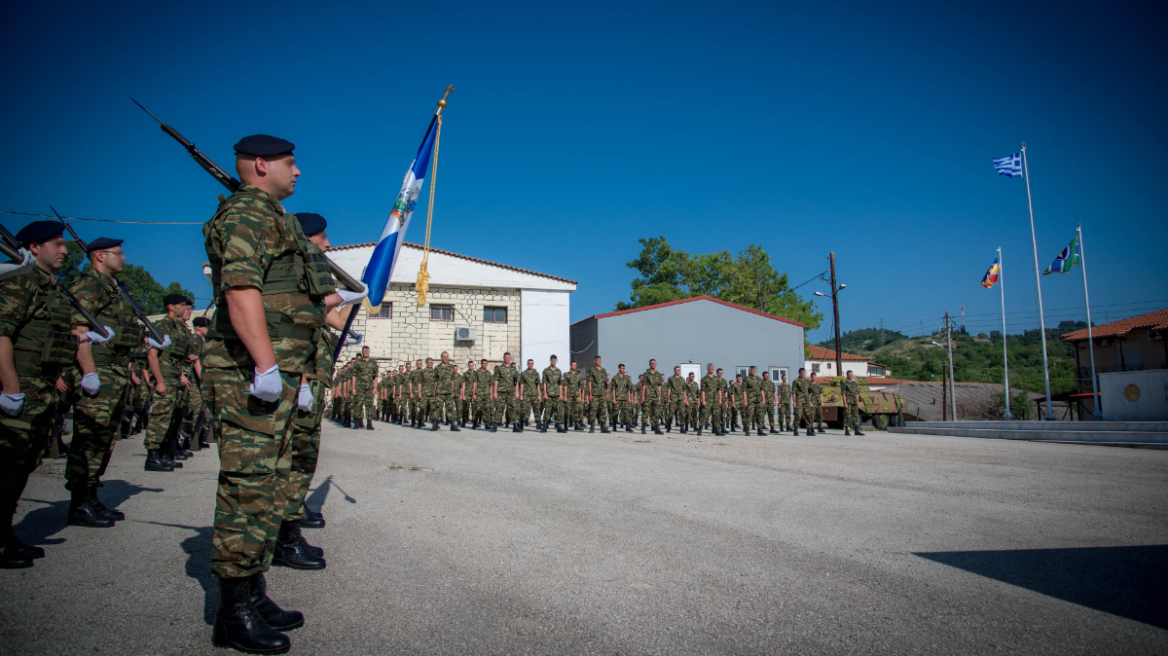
point(1009, 166)
point(991, 276)
point(1069, 257)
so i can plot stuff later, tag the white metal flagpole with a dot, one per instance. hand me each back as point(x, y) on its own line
point(1005, 351)
point(1096, 400)
point(1038, 284)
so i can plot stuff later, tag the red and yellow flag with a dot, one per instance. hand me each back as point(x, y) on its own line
point(991, 276)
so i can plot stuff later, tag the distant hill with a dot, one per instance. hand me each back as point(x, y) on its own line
point(864, 340)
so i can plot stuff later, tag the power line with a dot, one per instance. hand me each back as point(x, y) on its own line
point(81, 218)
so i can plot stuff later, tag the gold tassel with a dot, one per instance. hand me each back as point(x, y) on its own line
point(423, 284)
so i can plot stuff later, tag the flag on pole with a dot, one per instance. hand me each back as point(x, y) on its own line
point(991, 276)
point(1069, 257)
point(1009, 166)
point(380, 267)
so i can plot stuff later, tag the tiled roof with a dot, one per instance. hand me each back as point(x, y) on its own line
point(1157, 320)
point(820, 353)
point(464, 257)
point(690, 300)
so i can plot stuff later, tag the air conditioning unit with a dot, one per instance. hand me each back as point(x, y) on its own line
point(464, 334)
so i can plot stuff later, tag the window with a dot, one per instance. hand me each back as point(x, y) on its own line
point(495, 315)
point(441, 313)
point(743, 370)
point(386, 312)
point(778, 371)
point(814, 368)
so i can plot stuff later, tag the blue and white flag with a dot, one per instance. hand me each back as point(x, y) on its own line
point(380, 267)
point(1010, 166)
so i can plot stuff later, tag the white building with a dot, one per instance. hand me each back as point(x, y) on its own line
point(822, 363)
point(474, 309)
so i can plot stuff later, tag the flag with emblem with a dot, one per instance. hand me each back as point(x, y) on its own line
point(1069, 257)
point(991, 276)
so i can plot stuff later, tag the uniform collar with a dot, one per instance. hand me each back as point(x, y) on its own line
point(270, 200)
point(42, 278)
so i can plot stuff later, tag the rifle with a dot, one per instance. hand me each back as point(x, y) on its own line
point(10, 247)
point(232, 185)
point(134, 307)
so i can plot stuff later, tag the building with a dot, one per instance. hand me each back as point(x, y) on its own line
point(691, 333)
point(474, 309)
point(822, 363)
point(1129, 353)
point(925, 401)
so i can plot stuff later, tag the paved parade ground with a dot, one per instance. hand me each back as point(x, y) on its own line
point(476, 543)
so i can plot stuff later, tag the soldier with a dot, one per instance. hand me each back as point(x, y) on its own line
point(481, 397)
point(410, 399)
point(737, 403)
point(36, 346)
point(752, 410)
point(574, 387)
point(692, 399)
point(817, 403)
point(651, 398)
point(768, 389)
point(198, 408)
point(674, 400)
point(401, 393)
point(597, 395)
point(464, 403)
point(260, 269)
point(428, 388)
point(167, 368)
point(529, 394)
point(635, 392)
point(621, 389)
point(851, 394)
point(711, 402)
point(98, 411)
point(365, 376)
point(447, 387)
point(505, 393)
point(553, 391)
point(784, 395)
point(801, 388)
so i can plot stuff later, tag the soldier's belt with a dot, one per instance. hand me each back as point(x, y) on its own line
point(109, 357)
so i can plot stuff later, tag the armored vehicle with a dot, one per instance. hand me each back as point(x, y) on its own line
point(879, 408)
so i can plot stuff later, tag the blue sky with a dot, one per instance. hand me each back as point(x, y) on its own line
point(576, 130)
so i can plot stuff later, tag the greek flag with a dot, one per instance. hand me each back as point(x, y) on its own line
point(1010, 166)
point(380, 267)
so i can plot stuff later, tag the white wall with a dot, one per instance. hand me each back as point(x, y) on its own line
point(1152, 404)
point(827, 368)
point(544, 327)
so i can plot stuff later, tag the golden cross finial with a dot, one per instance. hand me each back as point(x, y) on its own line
point(442, 102)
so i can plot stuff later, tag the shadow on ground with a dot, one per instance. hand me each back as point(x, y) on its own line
point(1130, 582)
point(316, 498)
point(197, 547)
point(40, 524)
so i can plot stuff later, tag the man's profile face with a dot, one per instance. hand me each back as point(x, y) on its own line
point(321, 240)
point(280, 172)
point(621, 368)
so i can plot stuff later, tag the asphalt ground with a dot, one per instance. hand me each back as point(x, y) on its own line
point(506, 543)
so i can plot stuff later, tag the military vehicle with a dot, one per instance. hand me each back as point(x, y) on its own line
point(880, 408)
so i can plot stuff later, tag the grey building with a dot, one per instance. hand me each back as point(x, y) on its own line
point(691, 332)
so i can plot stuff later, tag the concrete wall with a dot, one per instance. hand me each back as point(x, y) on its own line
point(699, 331)
point(1151, 403)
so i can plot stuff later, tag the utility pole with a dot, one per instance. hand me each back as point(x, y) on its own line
point(944, 396)
point(963, 318)
point(952, 384)
point(881, 330)
point(839, 369)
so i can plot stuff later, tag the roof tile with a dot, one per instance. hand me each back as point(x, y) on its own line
point(1157, 320)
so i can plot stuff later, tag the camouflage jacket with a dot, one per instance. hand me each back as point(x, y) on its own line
point(249, 239)
point(676, 386)
point(653, 382)
point(99, 294)
point(598, 379)
point(552, 379)
point(427, 378)
point(734, 391)
point(621, 384)
point(468, 381)
point(710, 386)
point(692, 391)
point(173, 359)
point(449, 382)
point(784, 393)
point(816, 394)
point(768, 390)
point(365, 371)
point(530, 381)
point(851, 392)
point(574, 382)
point(482, 384)
point(30, 304)
point(508, 379)
point(753, 386)
point(801, 388)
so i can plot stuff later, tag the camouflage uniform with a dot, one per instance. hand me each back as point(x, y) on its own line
point(712, 410)
point(753, 386)
point(803, 411)
point(530, 395)
point(252, 242)
point(34, 315)
point(449, 384)
point(734, 392)
point(507, 379)
point(817, 404)
point(651, 411)
point(480, 395)
point(465, 405)
point(635, 405)
point(675, 413)
point(428, 380)
point(621, 385)
point(365, 371)
point(784, 405)
point(851, 394)
point(305, 443)
point(598, 378)
point(553, 412)
point(172, 363)
point(97, 419)
point(693, 395)
point(574, 384)
point(768, 389)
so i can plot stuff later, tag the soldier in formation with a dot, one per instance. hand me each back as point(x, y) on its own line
point(784, 394)
point(505, 395)
point(804, 412)
point(553, 394)
point(851, 394)
point(574, 391)
point(621, 392)
point(597, 393)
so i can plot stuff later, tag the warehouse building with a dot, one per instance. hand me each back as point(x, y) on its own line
point(691, 333)
point(474, 309)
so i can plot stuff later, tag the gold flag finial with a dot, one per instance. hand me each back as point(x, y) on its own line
point(442, 101)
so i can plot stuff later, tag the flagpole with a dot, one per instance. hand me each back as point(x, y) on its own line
point(1005, 351)
point(1098, 412)
point(1038, 284)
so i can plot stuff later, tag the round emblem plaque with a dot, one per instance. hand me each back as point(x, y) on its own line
point(1131, 393)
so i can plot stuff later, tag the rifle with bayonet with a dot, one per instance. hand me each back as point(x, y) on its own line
point(134, 307)
point(232, 185)
point(10, 247)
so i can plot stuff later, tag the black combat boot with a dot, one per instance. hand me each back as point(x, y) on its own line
point(83, 513)
point(683, 426)
point(810, 432)
point(657, 429)
point(154, 462)
point(591, 427)
point(292, 551)
point(272, 615)
point(168, 461)
point(104, 511)
point(517, 426)
point(434, 427)
point(14, 554)
point(543, 426)
point(847, 432)
point(238, 623)
point(312, 519)
point(700, 430)
point(604, 427)
point(370, 426)
point(642, 428)
point(761, 432)
point(859, 432)
point(454, 427)
point(493, 426)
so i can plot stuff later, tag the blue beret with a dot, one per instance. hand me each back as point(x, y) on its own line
point(39, 231)
point(311, 223)
point(175, 299)
point(263, 145)
point(102, 243)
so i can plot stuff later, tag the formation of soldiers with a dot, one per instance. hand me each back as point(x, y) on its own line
point(435, 394)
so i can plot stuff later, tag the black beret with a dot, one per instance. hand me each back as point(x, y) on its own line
point(201, 322)
point(174, 299)
point(102, 243)
point(263, 145)
point(311, 223)
point(39, 231)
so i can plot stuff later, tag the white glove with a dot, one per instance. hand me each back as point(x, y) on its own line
point(267, 386)
point(353, 338)
point(91, 384)
point(97, 337)
point(304, 398)
point(11, 404)
point(348, 297)
point(13, 269)
point(153, 344)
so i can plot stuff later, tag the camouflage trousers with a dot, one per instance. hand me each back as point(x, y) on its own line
point(480, 409)
point(506, 402)
point(305, 446)
point(711, 412)
point(23, 438)
point(784, 412)
point(363, 405)
point(817, 408)
point(770, 415)
point(255, 462)
point(553, 410)
point(529, 405)
point(167, 409)
point(598, 410)
point(622, 412)
point(755, 413)
point(803, 412)
point(651, 410)
point(676, 412)
point(443, 408)
point(573, 409)
point(97, 426)
point(851, 414)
